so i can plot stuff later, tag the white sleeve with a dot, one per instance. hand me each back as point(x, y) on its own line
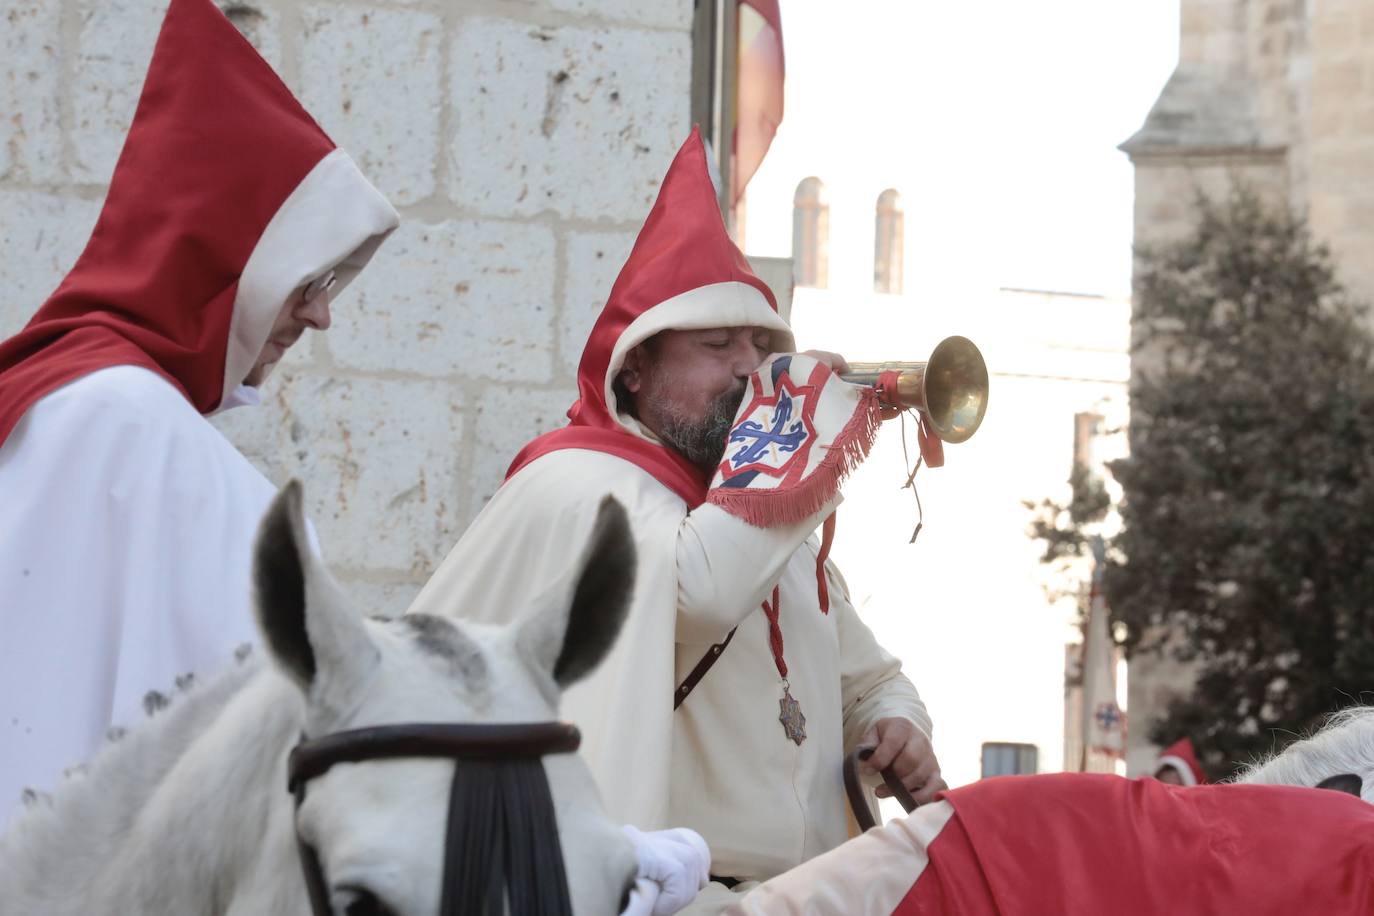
point(869, 875)
point(726, 567)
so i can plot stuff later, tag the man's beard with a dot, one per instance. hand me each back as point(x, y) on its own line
point(702, 440)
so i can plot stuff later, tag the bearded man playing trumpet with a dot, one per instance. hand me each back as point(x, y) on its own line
point(727, 468)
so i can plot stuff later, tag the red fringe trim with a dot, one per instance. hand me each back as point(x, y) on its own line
point(778, 507)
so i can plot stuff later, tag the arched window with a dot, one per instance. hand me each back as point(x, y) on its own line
point(887, 243)
point(811, 234)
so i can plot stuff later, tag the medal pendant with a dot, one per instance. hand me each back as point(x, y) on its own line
point(790, 715)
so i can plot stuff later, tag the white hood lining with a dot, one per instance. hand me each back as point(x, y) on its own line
point(334, 220)
point(732, 304)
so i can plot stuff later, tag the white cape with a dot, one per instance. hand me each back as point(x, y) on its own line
point(126, 530)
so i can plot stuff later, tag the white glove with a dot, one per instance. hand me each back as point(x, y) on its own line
point(643, 898)
point(673, 866)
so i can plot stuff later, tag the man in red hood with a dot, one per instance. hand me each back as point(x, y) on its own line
point(749, 628)
point(1178, 765)
point(127, 519)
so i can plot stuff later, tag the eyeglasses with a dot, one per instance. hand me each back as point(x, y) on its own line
point(319, 285)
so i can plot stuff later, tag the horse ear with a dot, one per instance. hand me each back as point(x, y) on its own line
point(1343, 782)
point(571, 643)
point(304, 618)
point(601, 599)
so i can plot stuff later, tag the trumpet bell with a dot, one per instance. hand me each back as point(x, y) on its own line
point(951, 388)
point(956, 389)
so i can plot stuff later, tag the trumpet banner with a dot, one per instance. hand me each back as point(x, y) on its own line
point(799, 432)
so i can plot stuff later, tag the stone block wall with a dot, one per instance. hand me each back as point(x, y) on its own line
point(1339, 140)
point(522, 141)
point(1212, 33)
point(1167, 188)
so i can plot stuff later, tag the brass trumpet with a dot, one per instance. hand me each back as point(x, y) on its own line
point(951, 388)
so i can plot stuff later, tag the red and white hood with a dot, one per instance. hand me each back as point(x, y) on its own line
point(226, 197)
point(684, 273)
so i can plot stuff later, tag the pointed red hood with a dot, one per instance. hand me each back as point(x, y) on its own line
point(1181, 756)
point(226, 197)
point(684, 272)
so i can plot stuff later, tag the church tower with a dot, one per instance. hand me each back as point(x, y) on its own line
point(1278, 95)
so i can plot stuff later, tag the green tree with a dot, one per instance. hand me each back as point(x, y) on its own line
point(1248, 497)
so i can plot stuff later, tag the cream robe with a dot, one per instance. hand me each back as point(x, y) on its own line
point(126, 531)
point(721, 764)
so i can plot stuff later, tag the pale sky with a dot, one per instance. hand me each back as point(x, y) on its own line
point(997, 121)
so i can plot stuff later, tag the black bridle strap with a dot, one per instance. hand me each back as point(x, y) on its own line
point(503, 839)
point(313, 757)
point(499, 807)
point(536, 878)
point(476, 835)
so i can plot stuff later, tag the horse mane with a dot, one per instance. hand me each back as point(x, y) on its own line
point(58, 841)
point(1343, 744)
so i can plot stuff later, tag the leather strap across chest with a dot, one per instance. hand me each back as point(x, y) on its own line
point(690, 682)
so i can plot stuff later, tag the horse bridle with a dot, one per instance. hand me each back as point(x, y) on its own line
point(502, 838)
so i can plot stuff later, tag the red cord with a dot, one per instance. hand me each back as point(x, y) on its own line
point(775, 633)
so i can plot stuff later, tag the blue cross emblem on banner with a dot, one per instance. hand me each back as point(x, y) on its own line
point(781, 435)
point(1108, 716)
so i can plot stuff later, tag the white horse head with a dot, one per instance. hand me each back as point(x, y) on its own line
point(190, 814)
